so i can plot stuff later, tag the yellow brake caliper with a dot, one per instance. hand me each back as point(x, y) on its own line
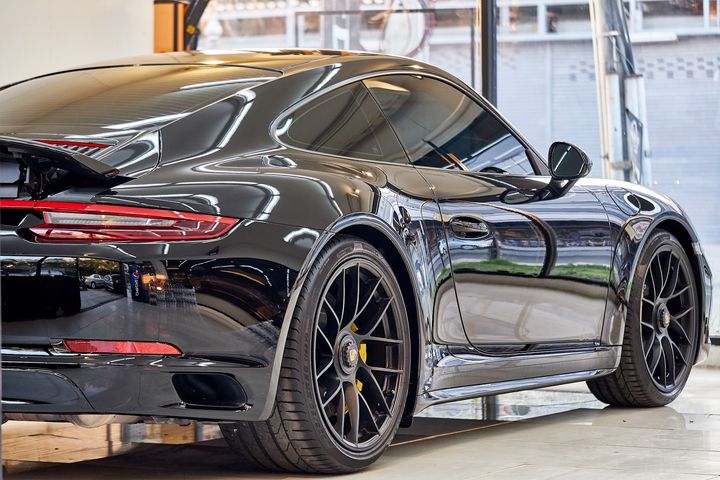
point(362, 350)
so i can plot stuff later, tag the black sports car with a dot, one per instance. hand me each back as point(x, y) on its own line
point(318, 245)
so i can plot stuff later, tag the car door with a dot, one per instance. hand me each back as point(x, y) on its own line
point(530, 269)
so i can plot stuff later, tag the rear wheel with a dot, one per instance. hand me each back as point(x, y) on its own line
point(344, 380)
point(661, 330)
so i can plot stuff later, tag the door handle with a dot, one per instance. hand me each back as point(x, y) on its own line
point(470, 228)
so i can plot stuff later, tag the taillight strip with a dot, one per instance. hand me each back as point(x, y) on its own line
point(70, 143)
point(110, 223)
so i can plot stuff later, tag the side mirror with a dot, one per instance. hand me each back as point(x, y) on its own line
point(568, 162)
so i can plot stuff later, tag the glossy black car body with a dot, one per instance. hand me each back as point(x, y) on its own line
point(538, 299)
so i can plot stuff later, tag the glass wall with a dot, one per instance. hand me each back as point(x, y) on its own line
point(546, 73)
point(547, 88)
point(441, 32)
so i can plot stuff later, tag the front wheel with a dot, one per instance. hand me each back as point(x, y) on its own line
point(92, 285)
point(344, 376)
point(661, 329)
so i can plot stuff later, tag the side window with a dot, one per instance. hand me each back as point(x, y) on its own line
point(441, 127)
point(346, 121)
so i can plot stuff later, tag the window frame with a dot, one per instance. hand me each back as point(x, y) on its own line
point(537, 161)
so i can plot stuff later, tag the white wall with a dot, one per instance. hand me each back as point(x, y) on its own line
point(41, 36)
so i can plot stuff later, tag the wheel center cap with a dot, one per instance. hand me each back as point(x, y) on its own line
point(664, 316)
point(349, 354)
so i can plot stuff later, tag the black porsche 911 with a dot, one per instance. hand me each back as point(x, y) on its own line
point(313, 246)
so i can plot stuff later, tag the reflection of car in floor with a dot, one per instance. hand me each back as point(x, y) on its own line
point(114, 283)
point(95, 281)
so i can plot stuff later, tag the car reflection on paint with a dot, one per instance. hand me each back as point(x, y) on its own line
point(95, 281)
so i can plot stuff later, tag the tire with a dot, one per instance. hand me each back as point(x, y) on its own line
point(92, 285)
point(326, 370)
point(661, 329)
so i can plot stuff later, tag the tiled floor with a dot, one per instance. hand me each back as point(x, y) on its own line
point(560, 432)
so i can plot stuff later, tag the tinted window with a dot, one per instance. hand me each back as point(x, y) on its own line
point(442, 127)
point(346, 122)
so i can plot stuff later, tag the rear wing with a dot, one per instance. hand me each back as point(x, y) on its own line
point(51, 156)
point(39, 169)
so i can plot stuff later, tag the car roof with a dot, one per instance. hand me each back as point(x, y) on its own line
point(279, 60)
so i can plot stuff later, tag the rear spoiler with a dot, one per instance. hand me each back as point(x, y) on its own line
point(36, 154)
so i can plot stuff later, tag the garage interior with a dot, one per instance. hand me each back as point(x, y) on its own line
point(537, 61)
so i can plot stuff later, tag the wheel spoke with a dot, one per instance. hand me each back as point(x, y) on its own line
point(647, 324)
point(324, 337)
point(669, 361)
point(650, 344)
point(375, 319)
point(656, 353)
point(369, 381)
point(678, 293)
point(332, 310)
point(656, 277)
point(343, 297)
point(665, 272)
point(677, 349)
point(653, 282)
point(672, 276)
point(664, 366)
point(353, 405)
point(393, 341)
point(383, 369)
point(368, 412)
point(683, 313)
point(676, 326)
point(332, 395)
point(341, 412)
point(351, 293)
point(370, 296)
point(357, 293)
point(324, 369)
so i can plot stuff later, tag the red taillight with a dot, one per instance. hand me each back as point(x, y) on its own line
point(112, 346)
point(66, 222)
point(68, 143)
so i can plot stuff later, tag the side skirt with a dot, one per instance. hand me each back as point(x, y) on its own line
point(471, 375)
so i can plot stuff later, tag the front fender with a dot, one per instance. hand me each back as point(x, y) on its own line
point(633, 233)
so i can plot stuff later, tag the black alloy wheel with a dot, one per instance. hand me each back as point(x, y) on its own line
point(661, 329)
point(345, 372)
point(668, 318)
point(359, 355)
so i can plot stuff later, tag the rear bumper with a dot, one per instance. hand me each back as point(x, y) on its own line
point(36, 381)
point(222, 303)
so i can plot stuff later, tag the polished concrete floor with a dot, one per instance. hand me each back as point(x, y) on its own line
point(560, 432)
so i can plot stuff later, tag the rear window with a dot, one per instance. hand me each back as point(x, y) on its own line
point(346, 122)
point(123, 98)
